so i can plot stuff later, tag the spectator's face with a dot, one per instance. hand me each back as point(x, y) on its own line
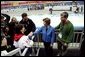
point(63, 19)
point(23, 30)
point(25, 18)
point(44, 23)
point(14, 20)
point(7, 29)
point(2, 20)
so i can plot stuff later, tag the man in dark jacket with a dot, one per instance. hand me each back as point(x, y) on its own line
point(28, 24)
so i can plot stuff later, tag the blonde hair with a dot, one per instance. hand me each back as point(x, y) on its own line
point(13, 18)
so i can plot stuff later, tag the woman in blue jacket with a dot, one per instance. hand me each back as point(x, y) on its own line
point(48, 35)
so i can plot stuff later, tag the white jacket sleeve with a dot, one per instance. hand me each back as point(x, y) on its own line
point(24, 41)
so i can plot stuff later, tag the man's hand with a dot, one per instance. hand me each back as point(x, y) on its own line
point(65, 44)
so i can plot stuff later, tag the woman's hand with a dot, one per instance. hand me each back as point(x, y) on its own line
point(30, 34)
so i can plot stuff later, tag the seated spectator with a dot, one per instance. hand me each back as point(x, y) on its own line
point(21, 40)
point(12, 25)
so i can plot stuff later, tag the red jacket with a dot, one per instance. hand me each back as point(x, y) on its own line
point(17, 36)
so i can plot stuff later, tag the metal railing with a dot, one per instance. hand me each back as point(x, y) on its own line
point(76, 43)
point(11, 53)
